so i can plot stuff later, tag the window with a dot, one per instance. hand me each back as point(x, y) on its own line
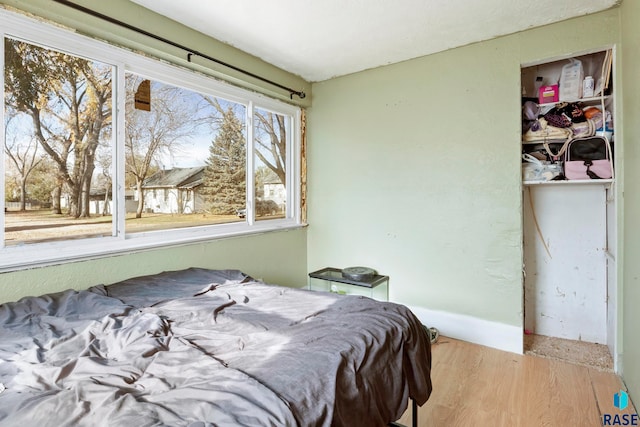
point(107, 151)
point(270, 142)
point(57, 144)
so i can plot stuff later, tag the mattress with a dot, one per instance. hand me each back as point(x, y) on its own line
point(204, 347)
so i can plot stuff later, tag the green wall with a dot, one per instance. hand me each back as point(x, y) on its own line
point(630, 17)
point(275, 257)
point(414, 169)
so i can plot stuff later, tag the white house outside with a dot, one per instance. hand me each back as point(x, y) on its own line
point(174, 191)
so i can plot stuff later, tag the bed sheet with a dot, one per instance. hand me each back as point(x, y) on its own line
point(208, 347)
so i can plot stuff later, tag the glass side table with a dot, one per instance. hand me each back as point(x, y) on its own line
point(330, 279)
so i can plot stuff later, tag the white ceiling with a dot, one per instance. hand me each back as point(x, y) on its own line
point(321, 39)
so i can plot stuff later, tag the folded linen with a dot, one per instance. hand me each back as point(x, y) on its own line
point(542, 131)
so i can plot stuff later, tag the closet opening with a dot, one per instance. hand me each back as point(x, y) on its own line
point(569, 209)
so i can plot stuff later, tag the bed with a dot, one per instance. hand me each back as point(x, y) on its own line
point(202, 347)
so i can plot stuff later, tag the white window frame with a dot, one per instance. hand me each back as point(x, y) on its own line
point(34, 254)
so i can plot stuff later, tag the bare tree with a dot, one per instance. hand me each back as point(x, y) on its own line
point(271, 142)
point(172, 117)
point(97, 122)
point(69, 102)
point(105, 179)
point(24, 158)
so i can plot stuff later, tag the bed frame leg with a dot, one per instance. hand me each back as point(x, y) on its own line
point(414, 416)
point(414, 413)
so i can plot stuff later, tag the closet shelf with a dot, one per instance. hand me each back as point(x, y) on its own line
point(590, 101)
point(570, 182)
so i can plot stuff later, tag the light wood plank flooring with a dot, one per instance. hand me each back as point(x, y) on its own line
point(480, 386)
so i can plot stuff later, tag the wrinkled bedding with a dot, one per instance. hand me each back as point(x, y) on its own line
point(208, 348)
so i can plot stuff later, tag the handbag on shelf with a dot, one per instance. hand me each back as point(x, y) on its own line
point(588, 158)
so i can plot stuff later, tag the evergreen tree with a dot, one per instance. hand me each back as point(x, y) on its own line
point(224, 181)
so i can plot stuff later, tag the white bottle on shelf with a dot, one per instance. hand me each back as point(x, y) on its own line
point(587, 87)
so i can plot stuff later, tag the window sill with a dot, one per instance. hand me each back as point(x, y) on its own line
point(15, 258)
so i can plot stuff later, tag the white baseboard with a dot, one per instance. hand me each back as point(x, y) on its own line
point(472, 329)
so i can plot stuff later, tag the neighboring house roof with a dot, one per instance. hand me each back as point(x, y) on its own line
point(100, 192)
point(175, 178)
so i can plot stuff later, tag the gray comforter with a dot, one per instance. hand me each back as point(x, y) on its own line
point(208, 348)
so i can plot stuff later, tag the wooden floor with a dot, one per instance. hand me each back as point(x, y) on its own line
point(480, 386)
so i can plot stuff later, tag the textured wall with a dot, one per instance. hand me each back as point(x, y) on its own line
point(277, 257)
point(414, 169)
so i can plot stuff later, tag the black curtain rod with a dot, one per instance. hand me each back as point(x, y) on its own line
point(190, 53)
